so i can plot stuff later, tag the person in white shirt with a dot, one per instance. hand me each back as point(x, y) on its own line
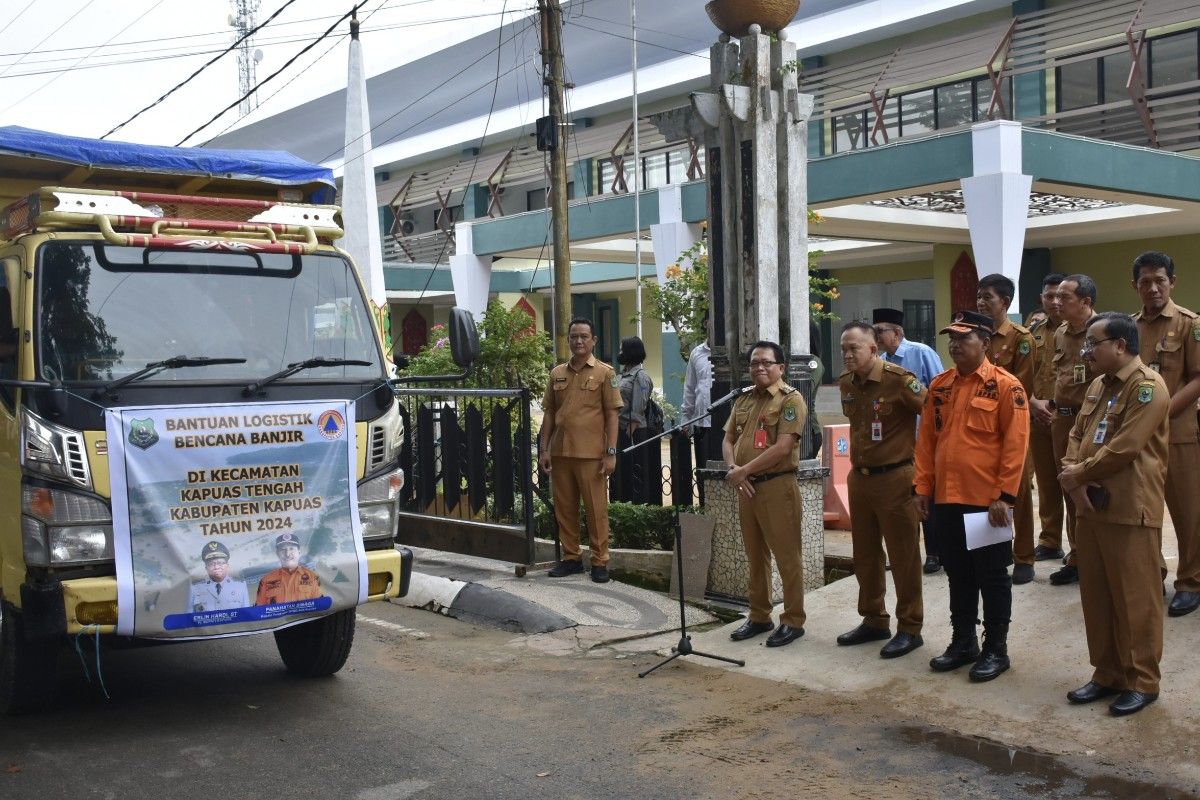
point(697, 394)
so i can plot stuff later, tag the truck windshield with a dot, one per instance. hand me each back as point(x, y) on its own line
point(106, 311)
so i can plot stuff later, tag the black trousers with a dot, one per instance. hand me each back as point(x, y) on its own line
point(931, 542)
point(973, 573)
point(700, 450)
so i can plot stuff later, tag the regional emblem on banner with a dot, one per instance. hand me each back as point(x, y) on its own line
point(142, 434)
point(331, 424)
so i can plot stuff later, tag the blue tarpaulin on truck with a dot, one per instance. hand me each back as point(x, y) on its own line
point(270, 166)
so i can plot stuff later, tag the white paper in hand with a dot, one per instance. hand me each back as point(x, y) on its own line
point(981, 533)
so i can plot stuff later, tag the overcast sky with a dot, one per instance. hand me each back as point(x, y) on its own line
point(81, 67)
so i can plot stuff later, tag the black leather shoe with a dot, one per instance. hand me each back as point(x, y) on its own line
point(1064, 576)
point(962, 651)
point(862, 634)
point(1043, 553)
point(599, 574)
point(1090, 692)
point(1183, 603)
point(932, 564)
point(564, 568)
point(901, 645)
point(993, 660)
point(749, 630)
point(1131, 703)
point(784, 634)
point(1022, 573)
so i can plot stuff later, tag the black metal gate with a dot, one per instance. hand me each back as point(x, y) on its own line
point(468, 457)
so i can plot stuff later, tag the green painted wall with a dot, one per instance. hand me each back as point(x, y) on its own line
point(1110, 265)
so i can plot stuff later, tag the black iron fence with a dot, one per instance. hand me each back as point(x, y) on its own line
point(469, 457)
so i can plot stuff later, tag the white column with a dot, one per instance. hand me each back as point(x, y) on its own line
point(997, 198)
point(470, 274)
point(360, 212)
point(671, 236)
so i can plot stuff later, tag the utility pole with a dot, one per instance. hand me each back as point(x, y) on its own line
point(550, 13)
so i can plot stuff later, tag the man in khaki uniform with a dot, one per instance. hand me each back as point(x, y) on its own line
point(761, 443)
point(1170, 345)
point(1115, 471)
point(882, 402)
point(579, 448)
point(1014, 349)
point(1073, 374)
point(1041, 441)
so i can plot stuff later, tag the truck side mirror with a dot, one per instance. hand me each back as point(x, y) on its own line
point(464, 337)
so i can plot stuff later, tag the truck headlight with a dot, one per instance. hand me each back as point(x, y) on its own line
point(59, 528)
point(377, 501)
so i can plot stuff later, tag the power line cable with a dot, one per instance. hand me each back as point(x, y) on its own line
point(81, 59)
point(206, 65)
point(274, 74)
point(61, 25)
point(8, 24)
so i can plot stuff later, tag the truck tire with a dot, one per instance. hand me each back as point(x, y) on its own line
point(318, 648)
point(28, 669)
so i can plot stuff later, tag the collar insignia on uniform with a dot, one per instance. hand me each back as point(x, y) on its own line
point(914, 385)
point(1023, 348)
point(1145, 393)
point(789, 413)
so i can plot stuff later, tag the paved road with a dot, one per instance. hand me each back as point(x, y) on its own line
point(430, 707)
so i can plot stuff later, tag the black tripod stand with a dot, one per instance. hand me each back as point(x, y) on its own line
point(684, 647)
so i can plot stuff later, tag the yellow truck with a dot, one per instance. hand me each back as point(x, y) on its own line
point(180, 290)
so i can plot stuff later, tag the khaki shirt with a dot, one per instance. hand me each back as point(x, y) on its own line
point(779, 409)
point(1170, 345)
point(1072, 375)
point(578, 400)
point(973, 438)
point(1043, 362)
point(1130, 461)
point(891, 396)
point(1013, 347)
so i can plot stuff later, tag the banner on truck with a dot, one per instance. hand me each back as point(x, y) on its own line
point(233, 519)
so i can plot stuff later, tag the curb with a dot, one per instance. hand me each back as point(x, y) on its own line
point(480, 605)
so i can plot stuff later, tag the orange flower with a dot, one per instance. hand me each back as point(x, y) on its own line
point(673, 272)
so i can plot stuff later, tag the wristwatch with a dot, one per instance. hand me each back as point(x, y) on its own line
point(611, 451)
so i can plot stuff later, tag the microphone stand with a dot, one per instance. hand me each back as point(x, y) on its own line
point(684, 646)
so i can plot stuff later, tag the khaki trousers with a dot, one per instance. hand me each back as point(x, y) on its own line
point(1050, 493)
point(1183, 501)
point(572, 480)
point(771, 526)
point(1120, 589)
point(883, 513)
point(1060, 431)
point(1023, 516)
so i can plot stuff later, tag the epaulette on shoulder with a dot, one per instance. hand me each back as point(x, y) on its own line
point(1187, 312)
point(895, 369)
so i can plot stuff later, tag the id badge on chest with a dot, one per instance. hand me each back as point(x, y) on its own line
point(760, 439)
point(1101, 432)
point(1080, 375)
point(876, 431)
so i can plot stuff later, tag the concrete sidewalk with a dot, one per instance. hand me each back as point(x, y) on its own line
point(484, 591)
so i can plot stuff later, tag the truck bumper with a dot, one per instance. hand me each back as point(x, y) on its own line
point(90, 604)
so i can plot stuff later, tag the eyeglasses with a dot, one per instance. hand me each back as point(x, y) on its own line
point(763, 364)
point(882, 329)
point(1089, 344)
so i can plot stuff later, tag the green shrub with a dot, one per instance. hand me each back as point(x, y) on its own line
point(631, 525)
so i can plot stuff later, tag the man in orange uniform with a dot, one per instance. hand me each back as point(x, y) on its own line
point(579, 448)
point(882, 402)
point(1041, 441)
point(1076, 304)
point(970, 458)
point(1014, 348)
point(1115, 470)
point(1170, 345)
point(291, 581)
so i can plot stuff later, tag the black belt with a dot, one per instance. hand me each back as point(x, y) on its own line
point(883, 469)
point(1066, 411)
point(771, 475)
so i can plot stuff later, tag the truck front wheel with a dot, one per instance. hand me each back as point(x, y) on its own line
point(318, 648)
point(28, 668)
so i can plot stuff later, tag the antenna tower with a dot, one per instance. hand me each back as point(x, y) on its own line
point(243, 19)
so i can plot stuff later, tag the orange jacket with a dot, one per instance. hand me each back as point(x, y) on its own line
point(284, 586)
point(973, 437)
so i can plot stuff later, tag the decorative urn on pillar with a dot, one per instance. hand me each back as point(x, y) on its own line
point(735, 17)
